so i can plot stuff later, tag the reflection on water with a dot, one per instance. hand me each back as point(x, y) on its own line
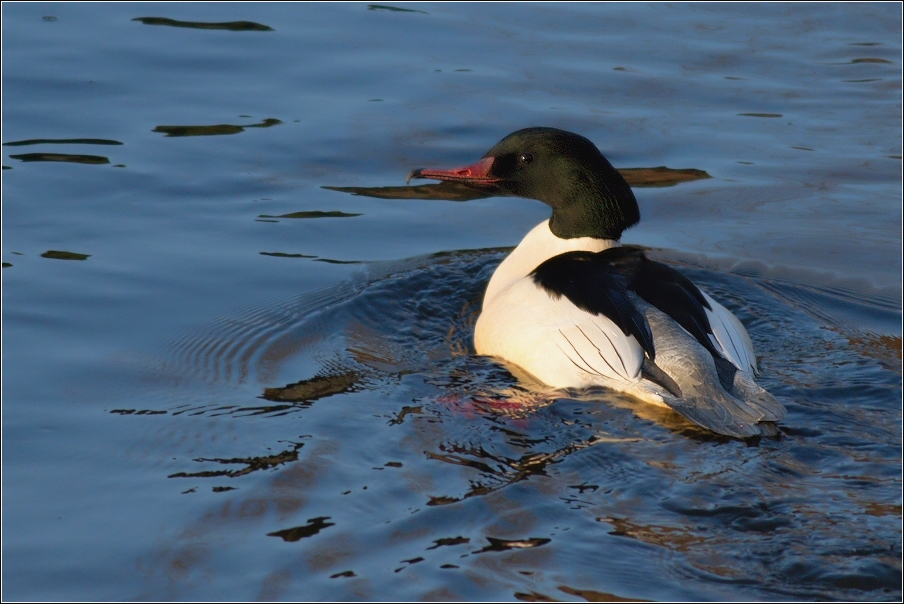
point(314, 526)
point(561, 475)
point(61, 255)
point(660, 176)
point(394, 9)
point(457, 191)
point(62, 157)
point(588, 595)
point(285, 255)
point(313, 214)
point(213, 130)
point(448, 191)
point(345, 443)
point(230, 25)
point(251, 464)
point(62, 141)
point(309, 391)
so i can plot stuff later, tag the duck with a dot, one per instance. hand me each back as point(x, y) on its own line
point(575, 308)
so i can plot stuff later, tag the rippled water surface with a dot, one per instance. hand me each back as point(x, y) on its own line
point(224, 381)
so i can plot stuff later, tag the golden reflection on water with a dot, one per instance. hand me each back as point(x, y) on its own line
point(596, 596)
point(884, 348)
point(427, 472)
point(318, 387)
point(484, 445)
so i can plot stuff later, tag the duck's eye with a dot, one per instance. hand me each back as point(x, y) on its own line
point(525, 158)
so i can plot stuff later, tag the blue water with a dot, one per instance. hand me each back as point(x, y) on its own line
point(141, 459)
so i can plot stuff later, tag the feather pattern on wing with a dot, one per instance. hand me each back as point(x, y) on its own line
point(581, 313)
point(525, 319)
point(596, 286)
point(729, 337)
point(598, 282)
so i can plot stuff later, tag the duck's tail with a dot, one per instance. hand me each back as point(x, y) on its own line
point(747, 390)
point(748, 410)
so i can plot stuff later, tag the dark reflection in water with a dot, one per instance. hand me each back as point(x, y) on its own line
point(420, 454)
point(307, 256)
point(498, 472)
point(212, 130)
point(448, 542)
point(314, 526)
point(394, 9)
point(332, 261)
point(500, 545)
point(285, 255)
point(138, 412)
point(447, 191)
point(456, 191)
point(228, 25)
point(62, 157)
point(251, 464)
point(62, 141)
point(660, 176)
point(313, 214)
point(61, 255)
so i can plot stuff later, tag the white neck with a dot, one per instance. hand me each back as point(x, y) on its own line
point(538, 246)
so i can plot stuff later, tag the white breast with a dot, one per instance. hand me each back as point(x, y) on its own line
point(566, 347)
point(537, 246)
point(558, 343)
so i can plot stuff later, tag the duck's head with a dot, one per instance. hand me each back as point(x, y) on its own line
point(588, 197)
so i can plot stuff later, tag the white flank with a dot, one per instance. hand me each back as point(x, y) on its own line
point(558, 343)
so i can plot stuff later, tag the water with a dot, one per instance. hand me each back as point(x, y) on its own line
point(218, 402)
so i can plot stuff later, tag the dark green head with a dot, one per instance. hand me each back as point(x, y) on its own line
point(588, 197)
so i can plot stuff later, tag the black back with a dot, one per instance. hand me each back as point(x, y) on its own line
point(597, 287)
point(598, 282)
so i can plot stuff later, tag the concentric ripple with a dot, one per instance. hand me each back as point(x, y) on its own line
point(371, 388)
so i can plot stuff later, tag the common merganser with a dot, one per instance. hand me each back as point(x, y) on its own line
point(574, 308)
